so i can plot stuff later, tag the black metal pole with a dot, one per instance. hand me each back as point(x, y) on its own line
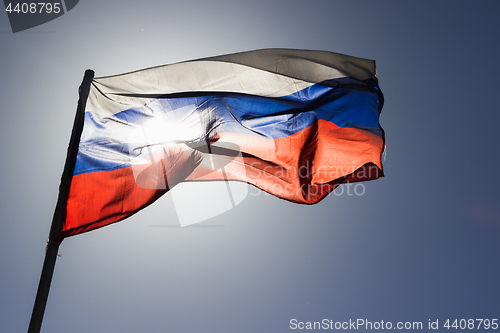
point(55, 237)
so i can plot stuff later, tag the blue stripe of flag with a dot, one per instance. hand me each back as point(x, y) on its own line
point(346, 103)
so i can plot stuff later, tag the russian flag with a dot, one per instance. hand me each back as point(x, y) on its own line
point(294, 123)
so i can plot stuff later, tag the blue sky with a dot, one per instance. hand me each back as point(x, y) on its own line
point(419, 244)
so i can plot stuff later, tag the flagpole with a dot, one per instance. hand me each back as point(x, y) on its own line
point(59, 217)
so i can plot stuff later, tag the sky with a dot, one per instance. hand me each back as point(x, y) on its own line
point(420, 244)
